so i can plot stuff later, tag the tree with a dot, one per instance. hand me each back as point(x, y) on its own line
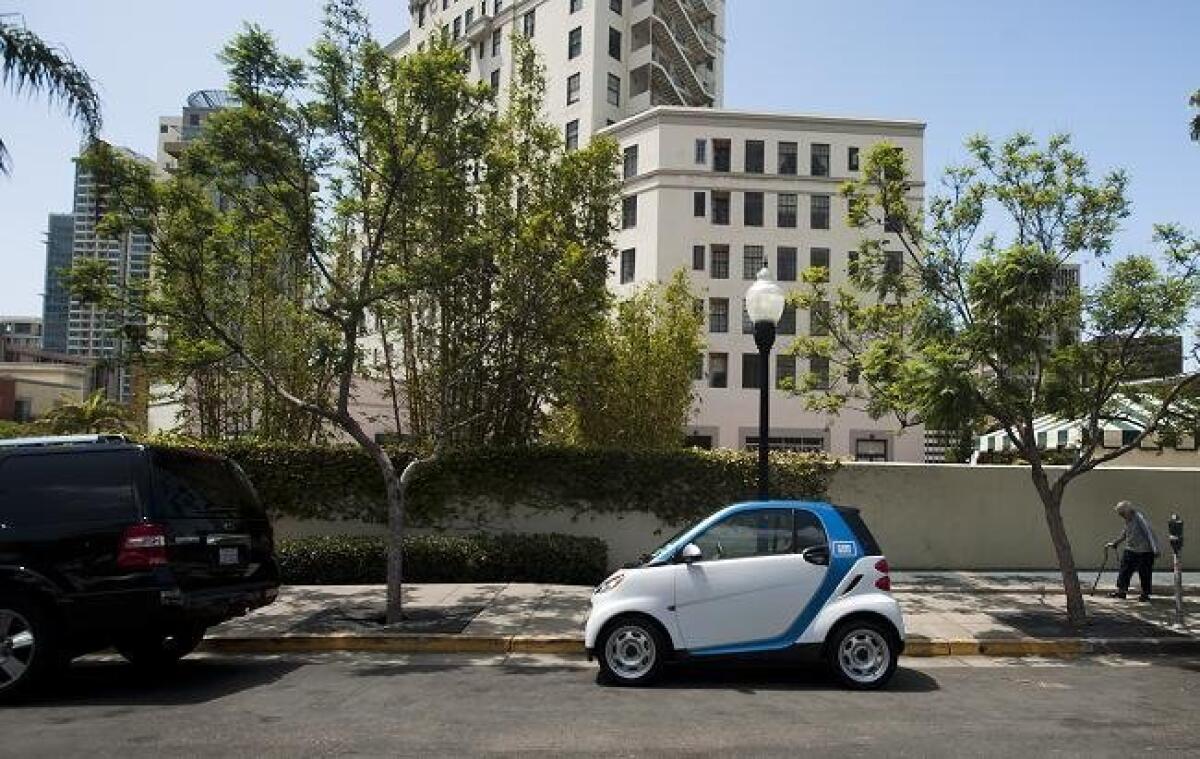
point(1194, 102)
point(29, 64)
point(633, 384)
point(945, 324)
point(94, 414)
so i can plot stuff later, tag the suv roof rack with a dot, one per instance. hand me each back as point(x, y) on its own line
point(38, 442)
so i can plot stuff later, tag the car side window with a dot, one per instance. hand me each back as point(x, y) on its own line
point(759, 532)
point(809, 530)
point(96, 486)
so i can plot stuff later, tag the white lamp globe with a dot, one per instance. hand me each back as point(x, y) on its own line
point(764, 299)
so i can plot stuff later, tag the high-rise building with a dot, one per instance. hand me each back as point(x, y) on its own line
point(102, 333)
point(718, 193)
point(56, 301)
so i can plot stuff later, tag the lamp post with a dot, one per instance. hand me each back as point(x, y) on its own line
point(764, 304)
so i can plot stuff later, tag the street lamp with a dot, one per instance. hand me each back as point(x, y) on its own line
point(764, 304)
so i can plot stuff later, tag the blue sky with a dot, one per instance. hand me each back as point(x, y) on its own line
point(1115, 74)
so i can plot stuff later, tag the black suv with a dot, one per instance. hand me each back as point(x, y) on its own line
point(104, 542)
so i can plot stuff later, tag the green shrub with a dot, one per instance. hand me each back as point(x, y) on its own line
point(343, 560)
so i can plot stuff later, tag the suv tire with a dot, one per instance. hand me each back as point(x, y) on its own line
point(631, 651)
point(29, 648)
point(862, 653)
point(161, 648)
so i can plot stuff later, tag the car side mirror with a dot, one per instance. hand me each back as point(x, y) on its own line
point(690, 554)
point(818, 555)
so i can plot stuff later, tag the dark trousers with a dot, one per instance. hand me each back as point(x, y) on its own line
point(1136, 561)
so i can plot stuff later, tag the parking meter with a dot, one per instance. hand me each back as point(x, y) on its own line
point(1175, 535)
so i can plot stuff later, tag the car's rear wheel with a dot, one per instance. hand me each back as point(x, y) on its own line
point(160, 648)
point(632, 650)
point(863, 654)
point(28, 646)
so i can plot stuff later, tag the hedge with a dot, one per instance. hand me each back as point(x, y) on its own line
point(341, 482)
point(545, 558)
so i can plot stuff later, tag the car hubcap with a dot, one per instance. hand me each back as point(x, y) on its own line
point(864, 656)
point(16, 647)
point(630, 652)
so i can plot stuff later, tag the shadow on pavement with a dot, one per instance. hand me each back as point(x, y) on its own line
point(190, 682)
point(753, 678)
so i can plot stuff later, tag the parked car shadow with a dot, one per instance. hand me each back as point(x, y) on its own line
point(752, 678)
point(192, 681)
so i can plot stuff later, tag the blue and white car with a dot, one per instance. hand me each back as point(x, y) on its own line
point(759, 579)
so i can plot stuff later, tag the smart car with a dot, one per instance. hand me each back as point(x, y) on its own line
point(795, 579)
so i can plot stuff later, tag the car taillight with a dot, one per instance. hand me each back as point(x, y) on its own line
point(143, 546)
point(885, 582)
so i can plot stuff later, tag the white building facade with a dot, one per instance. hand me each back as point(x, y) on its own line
point(715, 192)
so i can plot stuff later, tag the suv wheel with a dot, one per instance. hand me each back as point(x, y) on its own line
point(631, 651)
point(161, 648)
point(27, 646)
point(862, 654)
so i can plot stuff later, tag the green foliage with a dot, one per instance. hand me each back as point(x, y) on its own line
point(543, 558)
point(10, 429)
point(677, 486)
point(1194, 126)
point(28, 64)
point(632, 387)
point(95, 414)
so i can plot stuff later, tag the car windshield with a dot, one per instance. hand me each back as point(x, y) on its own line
point(658, 553)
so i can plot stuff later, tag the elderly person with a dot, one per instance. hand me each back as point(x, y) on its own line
point(1141, 547)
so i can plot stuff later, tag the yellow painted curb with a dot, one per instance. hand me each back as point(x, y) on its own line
point(531, 645)
point(1034, 647)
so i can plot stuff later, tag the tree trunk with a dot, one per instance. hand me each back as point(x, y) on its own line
point(1052, 503)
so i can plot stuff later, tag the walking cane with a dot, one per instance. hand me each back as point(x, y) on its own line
point(1103, 565)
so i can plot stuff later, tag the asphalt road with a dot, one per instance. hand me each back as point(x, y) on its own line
point(454, 705)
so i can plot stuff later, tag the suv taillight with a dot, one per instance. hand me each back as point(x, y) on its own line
point(143, 546)
point(885, 582)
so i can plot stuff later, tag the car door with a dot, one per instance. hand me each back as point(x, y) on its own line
point(751, 584)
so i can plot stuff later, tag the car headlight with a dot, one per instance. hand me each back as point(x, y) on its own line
point(610, 583)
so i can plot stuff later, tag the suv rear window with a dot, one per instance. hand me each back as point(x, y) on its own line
point(196, 486)
point(864, 537)
point(65, 487)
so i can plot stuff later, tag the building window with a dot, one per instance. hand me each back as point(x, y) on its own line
point(806, 444)
point(892, 223)
point(701, 151)
point(631, 161)
point(468, 17)
point(852, 159)
point(576, 6)
point(785, 264)
point(697, 258)
point(628, 265)
point(614, 90)
point(754, 156)
point(457, 27)
point(496, 79)
point(529, 23)
point(870, 450)
point(572, 135)
point(853, 372)
point(573, 89)
point(718, 370)
point(787, 322)
point(892, 263)
point(818, 319)
point(747, 325)
point(819, 212)
point(496, 38)
point(785, 371)
point(703, 442)
point(718, 314)
point(786, 209)
point(721, 151)
point(753, 260)
point(720, 262)
point(421, 16)
point(753, 209)
point(699, 204)
point(574, 43)
point(720, 207)
point(615, 5)
point(787, 158)
point(819, 257)
point(750, 371)
point(614, 43)
point(818, 367)
point(820, 160)
point(629, 205)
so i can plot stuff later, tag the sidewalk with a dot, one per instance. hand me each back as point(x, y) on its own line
point(947, 614)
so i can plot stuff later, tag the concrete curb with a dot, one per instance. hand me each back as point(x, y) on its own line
point(530, 644)
point(1160, 592)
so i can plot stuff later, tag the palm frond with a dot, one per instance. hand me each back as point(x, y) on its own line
point(27, 64)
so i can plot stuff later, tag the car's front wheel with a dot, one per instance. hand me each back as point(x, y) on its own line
point(632, 650)
point(28, 646)
point(160, 648)
point(863, 654)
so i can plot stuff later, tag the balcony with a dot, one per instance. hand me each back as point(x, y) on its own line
point(696, 38)
point(691, 78)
